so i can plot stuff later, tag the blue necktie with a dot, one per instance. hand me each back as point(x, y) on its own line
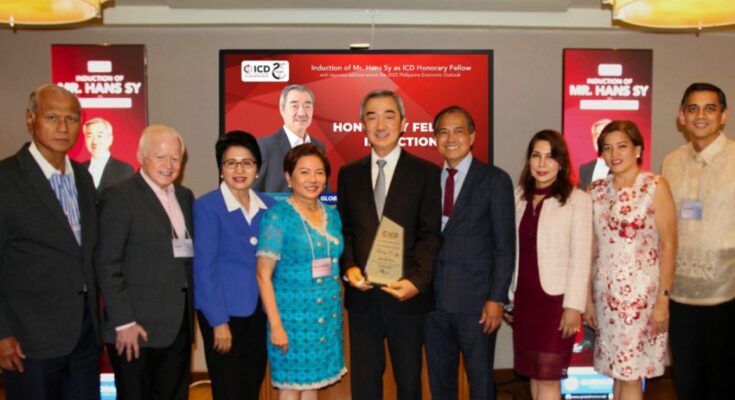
point(66, 193)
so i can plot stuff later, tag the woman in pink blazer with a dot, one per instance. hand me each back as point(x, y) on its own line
point(550, 283)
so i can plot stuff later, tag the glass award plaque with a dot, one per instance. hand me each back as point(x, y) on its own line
point(385, 261)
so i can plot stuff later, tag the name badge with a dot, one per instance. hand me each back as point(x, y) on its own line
point(183, 248)
point(691, 210)
point(321, 267)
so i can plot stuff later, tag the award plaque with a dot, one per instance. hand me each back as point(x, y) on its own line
point(385, 262)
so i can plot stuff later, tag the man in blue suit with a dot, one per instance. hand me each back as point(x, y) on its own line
point(475, 262)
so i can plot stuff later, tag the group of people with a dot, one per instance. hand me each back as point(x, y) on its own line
point(129, 267)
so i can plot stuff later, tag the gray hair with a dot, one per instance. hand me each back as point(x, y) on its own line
point(33, 98)
point(98, 120)
point(378, 93)
point(289, 88)
point(155, 130)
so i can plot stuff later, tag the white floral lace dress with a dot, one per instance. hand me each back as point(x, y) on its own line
point(625, 279)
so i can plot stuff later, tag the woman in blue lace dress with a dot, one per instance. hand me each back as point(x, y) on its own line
point(298, 276)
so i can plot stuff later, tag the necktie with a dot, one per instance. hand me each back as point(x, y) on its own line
point(449, 192)
point(379, 191)
point(66, 193)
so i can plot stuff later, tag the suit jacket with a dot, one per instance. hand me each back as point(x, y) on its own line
point(412, 201)
point(43, 269)
point(140, 279)
point(563, 247)
point(224, 262)
point(273, 150)
point(115, 171)
point(585, 174)
point(476, 258)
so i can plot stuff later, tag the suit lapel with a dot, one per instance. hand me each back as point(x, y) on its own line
point(401, 175)
point(283, 144)
point(151, 200)
point(86, 203)
point(465, 194)
point(105, 173)
point(37, 180)
point(364, 190)
point(185, 205)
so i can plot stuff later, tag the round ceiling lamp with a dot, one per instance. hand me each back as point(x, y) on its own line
point(674, 14)
point(49, 12)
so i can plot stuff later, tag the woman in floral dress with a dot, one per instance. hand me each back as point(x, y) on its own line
point(635, 228)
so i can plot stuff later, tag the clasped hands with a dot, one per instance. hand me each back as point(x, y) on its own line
point(401, 290)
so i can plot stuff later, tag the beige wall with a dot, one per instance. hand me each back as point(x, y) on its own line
point(183, 81)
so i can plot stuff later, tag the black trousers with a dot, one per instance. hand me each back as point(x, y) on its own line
point(159, 372)
point(73, 376)
point(703, 350)
point(237, 374)
point(448, 334)
point(404, 333)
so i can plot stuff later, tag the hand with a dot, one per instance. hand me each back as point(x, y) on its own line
point(492, 316)
point(508, 318)
point(570, 323)
point(222, 338)
point(401, 290)
point(590, 316)
point(660, 316)
point(279, 338)
point(127, 341)
point(11, 354)
point(357, 279)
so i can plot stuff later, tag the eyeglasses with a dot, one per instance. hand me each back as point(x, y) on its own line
point(245, 164)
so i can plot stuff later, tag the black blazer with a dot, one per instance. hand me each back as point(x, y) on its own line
point(413, 201)
point(139, 277)
point(43, 269)
point(477, 255)
point(585, 174)
point(273, 150)
point(115, 171)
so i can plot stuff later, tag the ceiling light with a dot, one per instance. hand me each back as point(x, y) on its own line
point(674, 14)
point(49, 12)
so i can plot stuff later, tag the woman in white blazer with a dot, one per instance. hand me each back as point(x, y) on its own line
point(550, 283)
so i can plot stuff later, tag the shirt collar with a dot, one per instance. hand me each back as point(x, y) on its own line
point(294, 139)
point(46, 167)
point(232, 204)
point(463, 165)
point(708, 153)
point(100, 161)
point(154, 186)
point(390, 158)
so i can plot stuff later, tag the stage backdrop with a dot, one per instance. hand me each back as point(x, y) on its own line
point(110, 81)
point(599, 86)
point(605, 85)
point(427, 81)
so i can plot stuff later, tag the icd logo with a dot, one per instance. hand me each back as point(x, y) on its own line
point(264, 71)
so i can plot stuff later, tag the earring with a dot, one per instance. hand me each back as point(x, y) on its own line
point(638, 155)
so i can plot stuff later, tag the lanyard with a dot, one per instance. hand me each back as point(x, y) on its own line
point(308, 235)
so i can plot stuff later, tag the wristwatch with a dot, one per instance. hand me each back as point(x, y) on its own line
point(665, 292)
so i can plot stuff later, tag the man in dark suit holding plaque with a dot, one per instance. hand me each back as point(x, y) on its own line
point(394, 184)
point(475, 262)
point(144, 261)
point(49, 315)
point(297, 109)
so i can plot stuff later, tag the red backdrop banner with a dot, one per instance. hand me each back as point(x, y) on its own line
point(427, 81)
point(605, 84)
point(110, 81)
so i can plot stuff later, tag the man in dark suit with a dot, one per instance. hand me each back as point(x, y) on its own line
point(475, 263)
point(105, 169)
point(389, 182)
point(144, 261)
point(49, 318)
point(297, 109)
point(595, 169)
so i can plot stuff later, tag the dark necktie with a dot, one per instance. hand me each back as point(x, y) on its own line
point(449, 192)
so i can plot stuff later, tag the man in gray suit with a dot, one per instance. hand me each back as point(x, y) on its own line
point(49, 316)
point(475, 263)
point(144, 261)
point(297, 109)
